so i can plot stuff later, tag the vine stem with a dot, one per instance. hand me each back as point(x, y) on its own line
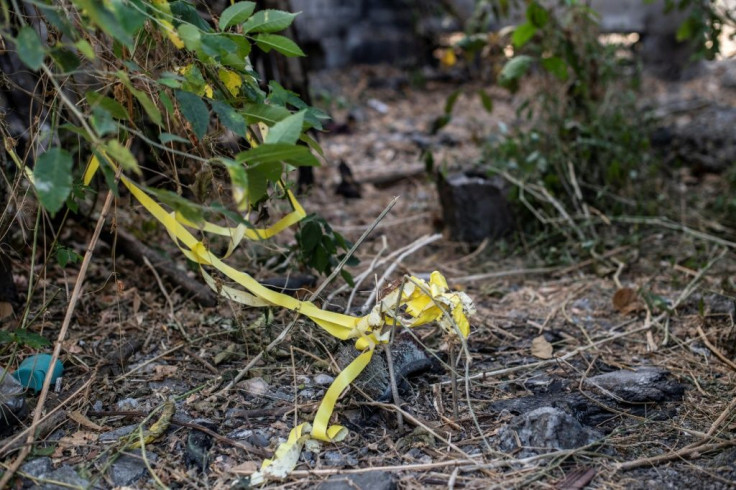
point(76, 292)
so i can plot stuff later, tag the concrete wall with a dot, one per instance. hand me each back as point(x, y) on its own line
point(339, 32)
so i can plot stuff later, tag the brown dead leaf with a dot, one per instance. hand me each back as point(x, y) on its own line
point(78, 439)
point(245, 468)
point(626, 300)
point(6, 309)
point(162, 371)
point(82, 420)
point(541, 348)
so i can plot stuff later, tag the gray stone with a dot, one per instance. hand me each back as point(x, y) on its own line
point(338, 459)
point(129, 467)
point(116, 434)
point(474, 207)
point(65, 475)
point(543, 430)
point(719, 304)
point(705, 140)
point(324, 379)
point(127, 404)
point(645, 384)
point(371, 480)
point(38, 468)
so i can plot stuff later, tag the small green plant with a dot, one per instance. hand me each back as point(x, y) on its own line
point(581, 136)
point(318, 245)
point(157, 79)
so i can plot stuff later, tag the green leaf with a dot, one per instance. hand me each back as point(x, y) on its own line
point(30, 339)
point(102, 122)
point(166, 102)
point(129, 18)
point(513, 70)
point(523, 33)
point(103, 16)
point(556, 66)
point(282, 44)
point(168, 138)
point(269, 114)
point(686, 30)
point(217, 45)
point(450, 102)
point(486, 100)
point(312, 144)
point(276, 153)
point(112, 106)
point(184, 12)
point(537, 15)
point(236, 171)
point(235, 14)
point(310, 235)
point(257, 184)
point(348, 277)
point(195, 111)
point(51, 13)
point(171, 80)
point(29, 48)
point(121, 155)
point(237, 59)
point(287, 130)
point(229, 117)
point(190, 35)
point(52, 177)
point(142, 98)
point(268, 21)
point(440, 122)
point(65, 256)
point(66, 60)
point(85, 48)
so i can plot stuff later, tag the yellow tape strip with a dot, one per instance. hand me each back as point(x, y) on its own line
point(420, 298)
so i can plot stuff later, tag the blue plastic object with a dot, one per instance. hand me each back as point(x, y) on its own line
point(32, 371)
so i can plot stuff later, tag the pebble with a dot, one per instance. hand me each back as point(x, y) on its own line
point(323, 379)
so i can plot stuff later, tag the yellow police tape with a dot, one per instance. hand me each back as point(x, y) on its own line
point(419, 303)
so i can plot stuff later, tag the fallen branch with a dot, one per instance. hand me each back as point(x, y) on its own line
point(691, 451)
point(126, 244)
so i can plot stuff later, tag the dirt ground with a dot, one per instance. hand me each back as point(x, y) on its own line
point(678, 317)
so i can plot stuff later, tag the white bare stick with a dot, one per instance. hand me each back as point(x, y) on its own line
point(371, 268)
point(418, 244)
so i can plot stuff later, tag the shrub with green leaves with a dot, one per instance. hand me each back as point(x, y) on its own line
point(160, 90)
point(580, 134)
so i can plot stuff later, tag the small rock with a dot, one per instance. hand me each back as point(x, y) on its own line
point(377, 106)
point(310, 393)
point(129, 467)
point(65, 474)
point(254, 386)
point(323, 379)
point(728, 79)
point(127, 404)
point(199, 444)
point(371, 480)
point(116, 434)
point(338, 459)
point(257, 437)
point(543, 430)
point(645, 384)
point(38, 468)
point(473, 207)
point(719, 304)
